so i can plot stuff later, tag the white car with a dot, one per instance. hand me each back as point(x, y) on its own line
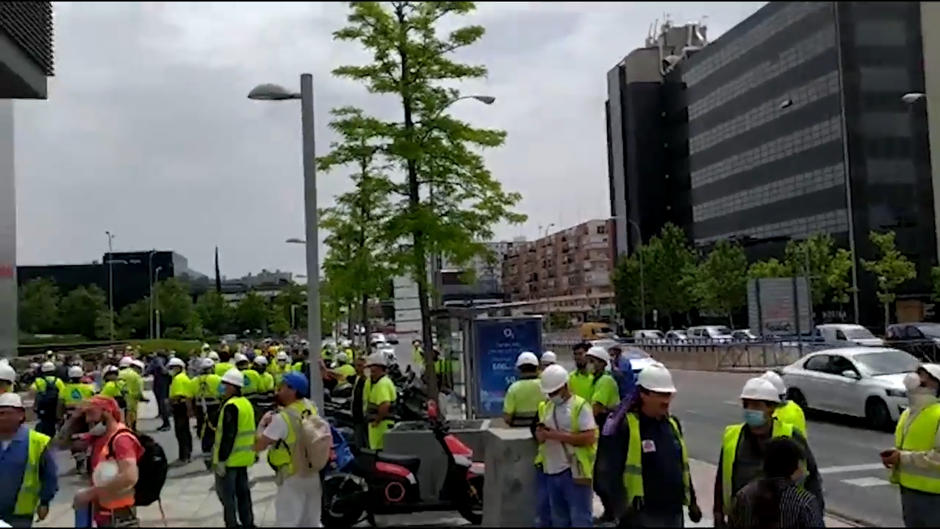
point(865, 382)
point(848, 332)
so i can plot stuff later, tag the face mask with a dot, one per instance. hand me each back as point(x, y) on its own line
point(367, 372)
point(98, 430)
point(557, 400)
point(754, 418)
point(221, 389)
point(911, 381)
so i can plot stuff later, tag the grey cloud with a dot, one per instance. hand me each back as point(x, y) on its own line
point(148, 133)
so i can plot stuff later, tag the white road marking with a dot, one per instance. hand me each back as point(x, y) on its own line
point(851, 468)
point(866, 482)
point(733, 402)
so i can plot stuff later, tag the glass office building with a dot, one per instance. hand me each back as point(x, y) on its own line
point(792, 123)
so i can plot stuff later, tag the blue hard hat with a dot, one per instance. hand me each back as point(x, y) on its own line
point(298, 382)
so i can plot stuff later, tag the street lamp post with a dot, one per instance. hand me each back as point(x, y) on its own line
point(271, 92)
point(111, 281)
point(150, 281)
point(155, 305)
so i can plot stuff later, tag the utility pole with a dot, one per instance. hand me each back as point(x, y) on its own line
point(111, 280)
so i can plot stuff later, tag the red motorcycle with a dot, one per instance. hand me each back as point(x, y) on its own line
point(381, 483)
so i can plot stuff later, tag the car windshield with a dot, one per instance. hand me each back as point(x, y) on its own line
point(678, 333)
point(634, 354)
point(930, 330)
point(887, 362)
point(857, 333)
point(719, 331)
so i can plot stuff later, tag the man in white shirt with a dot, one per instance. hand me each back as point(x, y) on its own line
point(567, 435)
point(298, 500)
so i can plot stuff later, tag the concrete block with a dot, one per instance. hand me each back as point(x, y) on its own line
point(509, 487)
point(414, 438)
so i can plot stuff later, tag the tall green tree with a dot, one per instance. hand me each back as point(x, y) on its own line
point(626, 283)
point(721, 282)
point(891, 270)
point(252, 313)
point(39, 306)
point(449, 201)
point(134, 320)
point(839, 277)
point(813, 257)
point(215, 313)
point(80, 309)
point(175, 303)
point(768, 269)
point(666, 257)
point(289, 309)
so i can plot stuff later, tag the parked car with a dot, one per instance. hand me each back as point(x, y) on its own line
point(648, 336)
point(744, 335)
point(638, 358)
point(848, 332)
point(377, 338)
point(920, 339)
point(710, 333)
point(866, 382)
point(392, 338)
point(676, 336)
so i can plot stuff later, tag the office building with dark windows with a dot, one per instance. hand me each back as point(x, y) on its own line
point(807, 117)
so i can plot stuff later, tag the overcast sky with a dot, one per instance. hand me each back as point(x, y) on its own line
point(147, 131)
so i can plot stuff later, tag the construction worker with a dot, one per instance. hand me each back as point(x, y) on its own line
point(343, 371)
point(523, 397)
point(326, 353)
point(181, 406)
point(113, 387)
point(223, 362)
point(46, 391)
point(134, 387)
point(605, 397)
point(279, 366)
point(649, 454)
point(300, 361)
point(27, 466)
point(252, 379)
point(914, 460)
point(7, 378)
point(581, 381)
point(267, 385)
point(233, 452)
point(567, 437)
point(788, 411)
point(417, 355)
point(548, 358)
point(379, 394)
point(70, 399)
point(206, 397)
point(741, 458)
point(298, 500)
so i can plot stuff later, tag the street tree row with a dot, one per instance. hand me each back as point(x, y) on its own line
point(678, 278)
point(420, 186)
point(44, 309)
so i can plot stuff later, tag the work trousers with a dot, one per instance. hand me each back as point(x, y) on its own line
point(235, 497)
point(569, 504)
point(184, 436)
point(163, 408)
point(47, 425)
point(920, 509)
point(206, 420)
point(298, 502)
point(18, 522)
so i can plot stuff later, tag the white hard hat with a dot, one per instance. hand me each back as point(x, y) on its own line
point(655, 377)
point(376, 359)
point(239, 358)
point(234, 377)
point(11, 400)
point(342, 357)
point(553, 378)
point(760, 389)
point(205, 346)
point(48, 367)
point(527, 359)
point(75, 372)
point(126, 361)
point(932, 369)
point(549, 357)
point(7, 373)
point(138, 364)
point(206, 363)
point(599, 353)
point(214, 356)
point(777, 381)
point(261, 360)
point(109, 369)
point(176, 362)
point(282, 357)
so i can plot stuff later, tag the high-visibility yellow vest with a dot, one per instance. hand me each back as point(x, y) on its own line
point(243, 454)
point(222, 368)
point(181, 387)
point(267, 383)
point(585, 455)
point(27, 499)
point(206, 387)
point(279, 456)
point(793, 414)
point(633, 470)
point(252, 382)
point(918, 436)
point(729, 451)
point(76, 392)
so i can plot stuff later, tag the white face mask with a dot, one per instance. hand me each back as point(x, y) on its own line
point(911, 381)
point(557, 400)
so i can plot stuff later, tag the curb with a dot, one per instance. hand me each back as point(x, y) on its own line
point(848, 520)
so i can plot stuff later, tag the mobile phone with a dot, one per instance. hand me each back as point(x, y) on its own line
point(886, 453)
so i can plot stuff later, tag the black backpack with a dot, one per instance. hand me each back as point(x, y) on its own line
point(47, 401)
point(152, 467)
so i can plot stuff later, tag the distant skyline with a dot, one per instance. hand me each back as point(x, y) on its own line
point(148, 133)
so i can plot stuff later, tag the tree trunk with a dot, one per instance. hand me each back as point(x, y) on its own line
point(365, 320)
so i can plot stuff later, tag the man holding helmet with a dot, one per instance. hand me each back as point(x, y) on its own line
point(379, 394)
point(567, 437)
point(914, 460)
point(741, 458)
point(523, 397)
point(788, 411)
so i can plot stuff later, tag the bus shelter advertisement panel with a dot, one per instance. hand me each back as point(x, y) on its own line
point(499, 343)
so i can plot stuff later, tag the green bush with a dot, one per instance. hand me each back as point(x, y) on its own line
point(182, 347)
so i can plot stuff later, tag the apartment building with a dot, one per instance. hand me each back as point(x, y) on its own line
point(566, 271)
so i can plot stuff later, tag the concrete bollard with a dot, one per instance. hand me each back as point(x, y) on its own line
point(509, 487)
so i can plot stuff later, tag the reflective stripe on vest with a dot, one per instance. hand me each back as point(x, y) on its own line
point(919, 435)
point(633, 470)
point(27, 499)
point(243, 454)
point(584, 454)
point(729, 451)
point(279, 456)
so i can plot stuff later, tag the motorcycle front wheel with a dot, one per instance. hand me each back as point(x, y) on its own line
point(472, 508)
point(340, 508)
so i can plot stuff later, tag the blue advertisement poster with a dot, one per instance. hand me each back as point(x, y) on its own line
point(499, 342)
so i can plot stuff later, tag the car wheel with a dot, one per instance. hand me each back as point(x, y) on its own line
point(797, 396)
point(877, 414)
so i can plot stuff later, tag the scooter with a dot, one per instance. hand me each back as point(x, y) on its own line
point(384, 484)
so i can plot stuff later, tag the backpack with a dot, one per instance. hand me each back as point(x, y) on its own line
point(152, 464)
point(48, 400)
point(311, 453)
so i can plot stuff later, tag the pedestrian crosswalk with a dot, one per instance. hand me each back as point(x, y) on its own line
point(705, 522)
point(850, 475)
